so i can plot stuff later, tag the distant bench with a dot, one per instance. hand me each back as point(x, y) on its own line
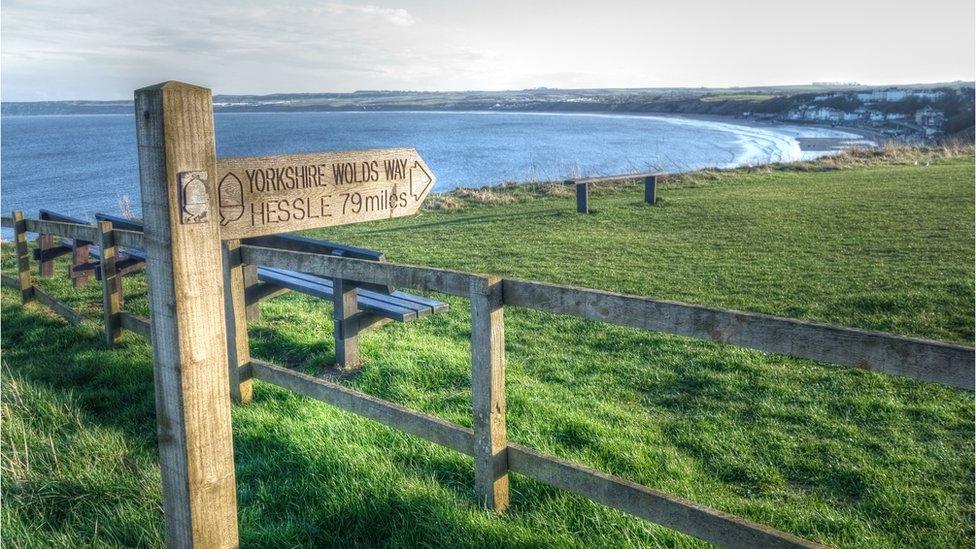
point(583, 187)
point(378, 304)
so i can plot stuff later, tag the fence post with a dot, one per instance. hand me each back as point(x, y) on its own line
point(23, 259)
point(253, 310)
point(582, 197)
point(238, 343)
point(177, 171)
point(650, 189)
point(111, 289)
point(345, 313)
point(488, 393)
point(44, 243)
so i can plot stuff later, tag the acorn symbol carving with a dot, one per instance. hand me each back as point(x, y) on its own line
point(231, 195)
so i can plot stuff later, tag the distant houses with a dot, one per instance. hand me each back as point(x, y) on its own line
point(910, 110)
point(815, 113)
point(887, 95)
point(931, 120)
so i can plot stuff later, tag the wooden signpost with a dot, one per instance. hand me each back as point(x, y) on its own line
point(275, 194)
point(196, 209)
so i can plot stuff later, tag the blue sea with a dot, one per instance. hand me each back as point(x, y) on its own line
point(79, 165)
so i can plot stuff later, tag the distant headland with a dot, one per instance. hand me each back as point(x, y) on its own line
point(915, 112)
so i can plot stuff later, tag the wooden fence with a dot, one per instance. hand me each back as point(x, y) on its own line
point(494, 456)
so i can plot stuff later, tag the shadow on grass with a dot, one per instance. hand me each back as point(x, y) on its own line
point(292, 488)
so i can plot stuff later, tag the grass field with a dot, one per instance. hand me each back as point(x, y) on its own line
point(844, 457)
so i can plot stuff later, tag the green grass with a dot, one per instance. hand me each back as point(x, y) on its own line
point(845, 457)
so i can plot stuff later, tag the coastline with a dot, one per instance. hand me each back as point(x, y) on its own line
point(818, 144)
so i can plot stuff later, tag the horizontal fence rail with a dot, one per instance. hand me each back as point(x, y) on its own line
point(419, 278)
point(682, 515)
point(921, 359)
point(916, 358)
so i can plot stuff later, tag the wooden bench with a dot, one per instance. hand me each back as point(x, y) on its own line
point(46, 252)
point(583, 187)
point(376, 304)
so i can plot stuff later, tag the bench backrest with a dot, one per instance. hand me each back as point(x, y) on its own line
point(290, 242)
point(121, 222)
point(48, 215)
point(297, 243)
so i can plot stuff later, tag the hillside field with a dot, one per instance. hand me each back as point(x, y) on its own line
point(841, 456)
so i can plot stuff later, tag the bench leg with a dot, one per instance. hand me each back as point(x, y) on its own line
point(253, 309)
point(582, 198)
point(238, 344)
point(650, 189)
point(79, 256)
point(45, 242)
point(346, 316)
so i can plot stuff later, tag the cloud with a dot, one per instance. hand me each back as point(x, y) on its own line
point(397, 16)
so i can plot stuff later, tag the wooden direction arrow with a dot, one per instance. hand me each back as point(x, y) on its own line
point(274, 194)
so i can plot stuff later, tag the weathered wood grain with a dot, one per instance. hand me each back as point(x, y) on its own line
point(488, 393)
point(291, 192)
point(66, 230)
point(261, 291)
point(111, 283)
point(46, 264)
point(58, 307)
point(345, 317)
point(23, 257)
point(174, 134)
point(136, 324)
point(921, 359)
point(402, 276)
point(415, 423)
point(253, 293)
point(235, 318)
point(129, 239)
point(647, 503)
point(80, 256)
point(711, 525)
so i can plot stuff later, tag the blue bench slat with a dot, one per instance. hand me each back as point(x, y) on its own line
point(435, 306)
point(323, 288)
point(382, 300)
point(422, 309)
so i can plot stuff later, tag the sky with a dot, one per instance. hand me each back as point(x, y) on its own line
point(104, 49)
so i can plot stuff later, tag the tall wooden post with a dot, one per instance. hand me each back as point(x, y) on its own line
point(44, 243)
point(111, 289)
point(345, 314)
point(238, 343)
point(175, 136)
point(582, 198)
point(650, 189)
point(23, 259)
point(488, 393)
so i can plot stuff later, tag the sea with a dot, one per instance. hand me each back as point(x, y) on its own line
point(83, 164)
